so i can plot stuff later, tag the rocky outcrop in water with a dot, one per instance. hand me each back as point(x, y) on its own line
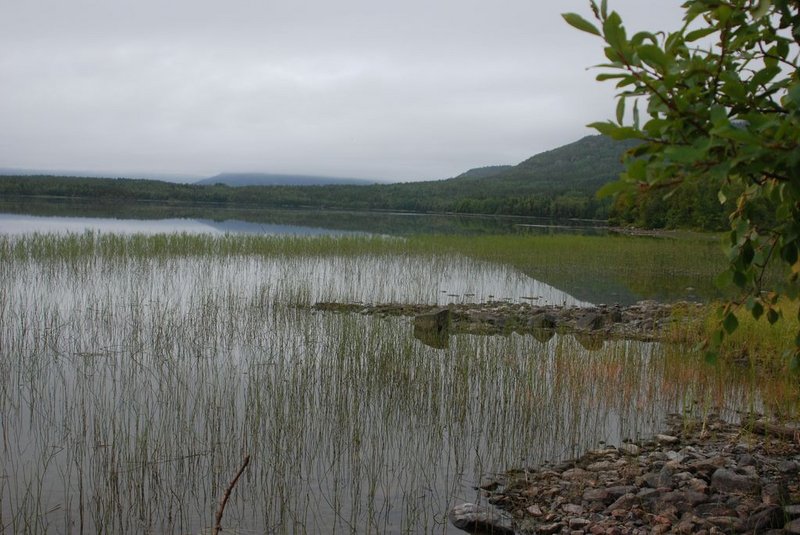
point(645, 320)
point(702, 477)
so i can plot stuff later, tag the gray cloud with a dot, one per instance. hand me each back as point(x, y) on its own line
point(402, 91)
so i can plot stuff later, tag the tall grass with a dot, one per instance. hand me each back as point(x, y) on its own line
point(136, 379)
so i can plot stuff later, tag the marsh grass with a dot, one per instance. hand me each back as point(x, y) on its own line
point(602, 268)
point(139, 372)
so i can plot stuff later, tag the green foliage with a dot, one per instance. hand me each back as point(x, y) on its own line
point(721, 99)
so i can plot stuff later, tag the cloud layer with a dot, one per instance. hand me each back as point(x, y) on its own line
point(399, 91)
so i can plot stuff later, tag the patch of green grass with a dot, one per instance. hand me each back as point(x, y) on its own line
point(602, 268)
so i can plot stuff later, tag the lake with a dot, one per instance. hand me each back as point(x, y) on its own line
point(138, 369)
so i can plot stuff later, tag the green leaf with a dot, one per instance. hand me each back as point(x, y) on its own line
point(620, 110)
point(721, 197)
point(653, 56)
point(794, 94)
point(772, 316)
point(757, 310)
point(578, 22)
point(730, 323)
point(613, 31)
point(699, 34)
point(762, 9)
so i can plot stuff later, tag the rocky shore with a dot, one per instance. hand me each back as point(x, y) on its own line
point(699, 477)
point(645, 320)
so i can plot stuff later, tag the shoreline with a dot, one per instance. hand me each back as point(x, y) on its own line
point(700, 476)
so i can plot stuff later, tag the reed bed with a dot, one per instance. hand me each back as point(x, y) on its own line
point(134, 381)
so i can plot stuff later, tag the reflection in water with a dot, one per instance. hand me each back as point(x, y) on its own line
point(14, 224)
point(132, 388)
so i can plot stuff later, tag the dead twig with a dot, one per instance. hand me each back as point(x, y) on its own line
point(221, 509)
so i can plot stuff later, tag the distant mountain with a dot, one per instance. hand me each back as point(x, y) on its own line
point(584, 165)
point(266, 179)
point(483, 172)
point(560, 183)
point(168, 177)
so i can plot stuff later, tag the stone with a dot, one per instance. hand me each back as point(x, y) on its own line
point(596, 495)
point(787, 467)
point(478, 519)
point(573, 509)
point(578, 523)
point(667, 439)
point(630, 449)
point(775, 493)
point(771, 517)
point(620, 490)
point(724, 480)
point(792, 527)
point(591, 321)
point(543, 320)
point(624, 502)
point(548, 529)
point(534, 510)
point(714, 509)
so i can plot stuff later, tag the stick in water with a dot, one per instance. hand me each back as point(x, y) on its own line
point(218, 518)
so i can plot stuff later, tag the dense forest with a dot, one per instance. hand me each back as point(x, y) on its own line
point(560, 183)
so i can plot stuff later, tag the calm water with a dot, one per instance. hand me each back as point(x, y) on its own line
point(132, 388)
point(20, 217)
point(17, 224)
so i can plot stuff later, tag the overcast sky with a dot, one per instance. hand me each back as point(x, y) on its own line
point(403, 90)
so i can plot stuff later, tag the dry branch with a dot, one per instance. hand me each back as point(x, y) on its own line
point(218, 517)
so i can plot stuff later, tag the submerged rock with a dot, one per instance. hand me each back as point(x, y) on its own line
point(481, 520)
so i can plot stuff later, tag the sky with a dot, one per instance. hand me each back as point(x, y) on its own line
point(393, 91)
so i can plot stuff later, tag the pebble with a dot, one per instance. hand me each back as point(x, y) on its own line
point(678, 483)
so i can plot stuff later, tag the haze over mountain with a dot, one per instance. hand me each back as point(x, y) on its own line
point(147, 175)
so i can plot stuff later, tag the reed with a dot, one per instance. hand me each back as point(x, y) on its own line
point(136, 377)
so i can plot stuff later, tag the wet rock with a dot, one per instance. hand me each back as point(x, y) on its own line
point(590, 322)
point(543, 320)
point(481, 520)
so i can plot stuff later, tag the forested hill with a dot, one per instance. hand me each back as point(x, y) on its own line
point(267, 179)
point(557, 183)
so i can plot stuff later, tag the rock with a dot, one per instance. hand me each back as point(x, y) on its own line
point(792, 527)
point(591, 321)
point(724, 480)
point(771, 517)
point(775, 493)
point(788, 467)
point(620, 490)
point(624, 502)
point(667, 439)
point(714, 509)
point(548, 529)
point(630, 449)
point(432, 329)
point(534, 510)
point(573, 509)
point(578, 523)
point(481, 520)
point(542, 320)
point(596, 495)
